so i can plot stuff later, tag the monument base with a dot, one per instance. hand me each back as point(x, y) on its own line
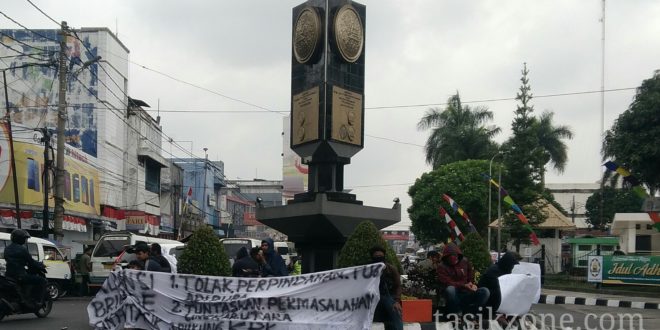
point(320, 226)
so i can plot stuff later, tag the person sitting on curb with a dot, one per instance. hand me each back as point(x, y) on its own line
point(388, 309)
point(490, 280)
point(456, 279)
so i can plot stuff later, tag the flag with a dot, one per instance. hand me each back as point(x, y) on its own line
point(460, 211)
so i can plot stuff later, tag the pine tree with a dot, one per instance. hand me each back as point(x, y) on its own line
point(204, 255)
point(356, 249)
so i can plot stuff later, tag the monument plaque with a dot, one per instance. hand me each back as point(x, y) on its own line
point(304, 109)
point(346, 116)
point(348, 33)
point(306, 34)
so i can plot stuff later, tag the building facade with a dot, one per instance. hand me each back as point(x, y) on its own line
point(241, 196)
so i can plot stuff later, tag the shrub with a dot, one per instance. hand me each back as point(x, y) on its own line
point(475, 250)
point(356, 249)
point(204, 255)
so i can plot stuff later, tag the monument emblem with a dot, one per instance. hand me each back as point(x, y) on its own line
point(306, 34)
point(348, 33)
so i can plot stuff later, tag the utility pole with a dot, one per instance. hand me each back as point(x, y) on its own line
point(47, 165)
point(17, 205)
point(61, 119)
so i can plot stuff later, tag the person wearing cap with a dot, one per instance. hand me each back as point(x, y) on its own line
point(456, 275)
point(143, 253)
point(490, 279)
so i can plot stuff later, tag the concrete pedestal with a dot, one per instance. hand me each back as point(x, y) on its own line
point(320, 227)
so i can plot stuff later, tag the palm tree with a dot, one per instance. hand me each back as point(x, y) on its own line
point(458, 133)
point(550, 140)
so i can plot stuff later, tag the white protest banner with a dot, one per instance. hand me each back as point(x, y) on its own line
point(518, 292)
point(533, 269)
point(338, 299)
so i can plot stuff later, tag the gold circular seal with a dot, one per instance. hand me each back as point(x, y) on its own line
point(348, 33)
point(306, 34)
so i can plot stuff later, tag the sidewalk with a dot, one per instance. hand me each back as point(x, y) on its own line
point(558, 297)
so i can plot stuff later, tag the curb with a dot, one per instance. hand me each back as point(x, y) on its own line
point(564, 300)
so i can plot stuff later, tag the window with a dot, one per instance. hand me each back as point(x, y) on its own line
point(638, 227)
point(67, 185)
point(91, 192)
point(152, 176)
point(34, 250)
point(85, 191)
point(582, 263)
point(607, 247)
point(76, 188)
point(584, 247)
point(649, 227)
point(51, 253)
point(32, 174)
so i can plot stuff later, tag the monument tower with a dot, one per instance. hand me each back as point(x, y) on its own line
point(327, 129)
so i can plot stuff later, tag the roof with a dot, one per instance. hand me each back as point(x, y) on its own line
point(593, 240)
point(555, 220)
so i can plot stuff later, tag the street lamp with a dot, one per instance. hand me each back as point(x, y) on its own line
point(490, 175)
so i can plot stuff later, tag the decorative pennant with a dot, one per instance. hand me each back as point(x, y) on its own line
point(456, 235)
point(637, 188)
point(516, 209)
point(460, 211)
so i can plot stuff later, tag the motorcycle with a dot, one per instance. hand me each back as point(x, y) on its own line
point(14, 301)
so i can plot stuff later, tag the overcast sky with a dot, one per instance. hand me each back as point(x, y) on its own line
point(417, 53)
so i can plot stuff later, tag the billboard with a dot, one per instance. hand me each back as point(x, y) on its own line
point(294, 172)
point(639, 270)
point(81, 180)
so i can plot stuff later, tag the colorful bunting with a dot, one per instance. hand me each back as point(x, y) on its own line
point(516, 209)
point(456, 234)
point(460, 211)
point(637, 188)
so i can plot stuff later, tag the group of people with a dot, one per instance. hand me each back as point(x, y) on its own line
point(263, 261)
point(455, 282)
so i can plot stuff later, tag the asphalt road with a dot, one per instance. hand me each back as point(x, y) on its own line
point(71, 314)
point(578, 317)
point(67, 313)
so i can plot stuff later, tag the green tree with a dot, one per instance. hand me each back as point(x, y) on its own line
point(550, 139)
point(633, 139)
point(614, 201)
point(523, 158)
point(355, 251)
point(204, 255)
point(458, 133)
point(463, 181)
point(476, 251)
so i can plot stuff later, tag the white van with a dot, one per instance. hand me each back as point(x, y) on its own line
point(111, 246)
point(284, 250)
point(232, 245)
point(58, 274)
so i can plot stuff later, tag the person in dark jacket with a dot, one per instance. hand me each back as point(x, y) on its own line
point(273, 259)
point(388, 309)
point(143, 253)
point(490, 279)
point(18, 257)
point(157, 254)
point(456, 276)
point(245, 265)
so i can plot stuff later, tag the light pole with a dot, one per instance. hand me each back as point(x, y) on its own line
point(205, 201)
point(490, 174)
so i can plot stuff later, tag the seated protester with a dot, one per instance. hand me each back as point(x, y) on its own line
point(143, 254)
point(431, 262)
point(257, 254)
point(456, 276)
point(135, 265)
point(490, 280)
point(157, 254)
point(389, 307)
point(245, 265)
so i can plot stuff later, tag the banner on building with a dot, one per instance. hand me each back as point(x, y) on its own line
point(81, 180)
point(336, 299)
point(639, 270)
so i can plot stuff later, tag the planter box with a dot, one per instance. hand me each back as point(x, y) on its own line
point(420, 310)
